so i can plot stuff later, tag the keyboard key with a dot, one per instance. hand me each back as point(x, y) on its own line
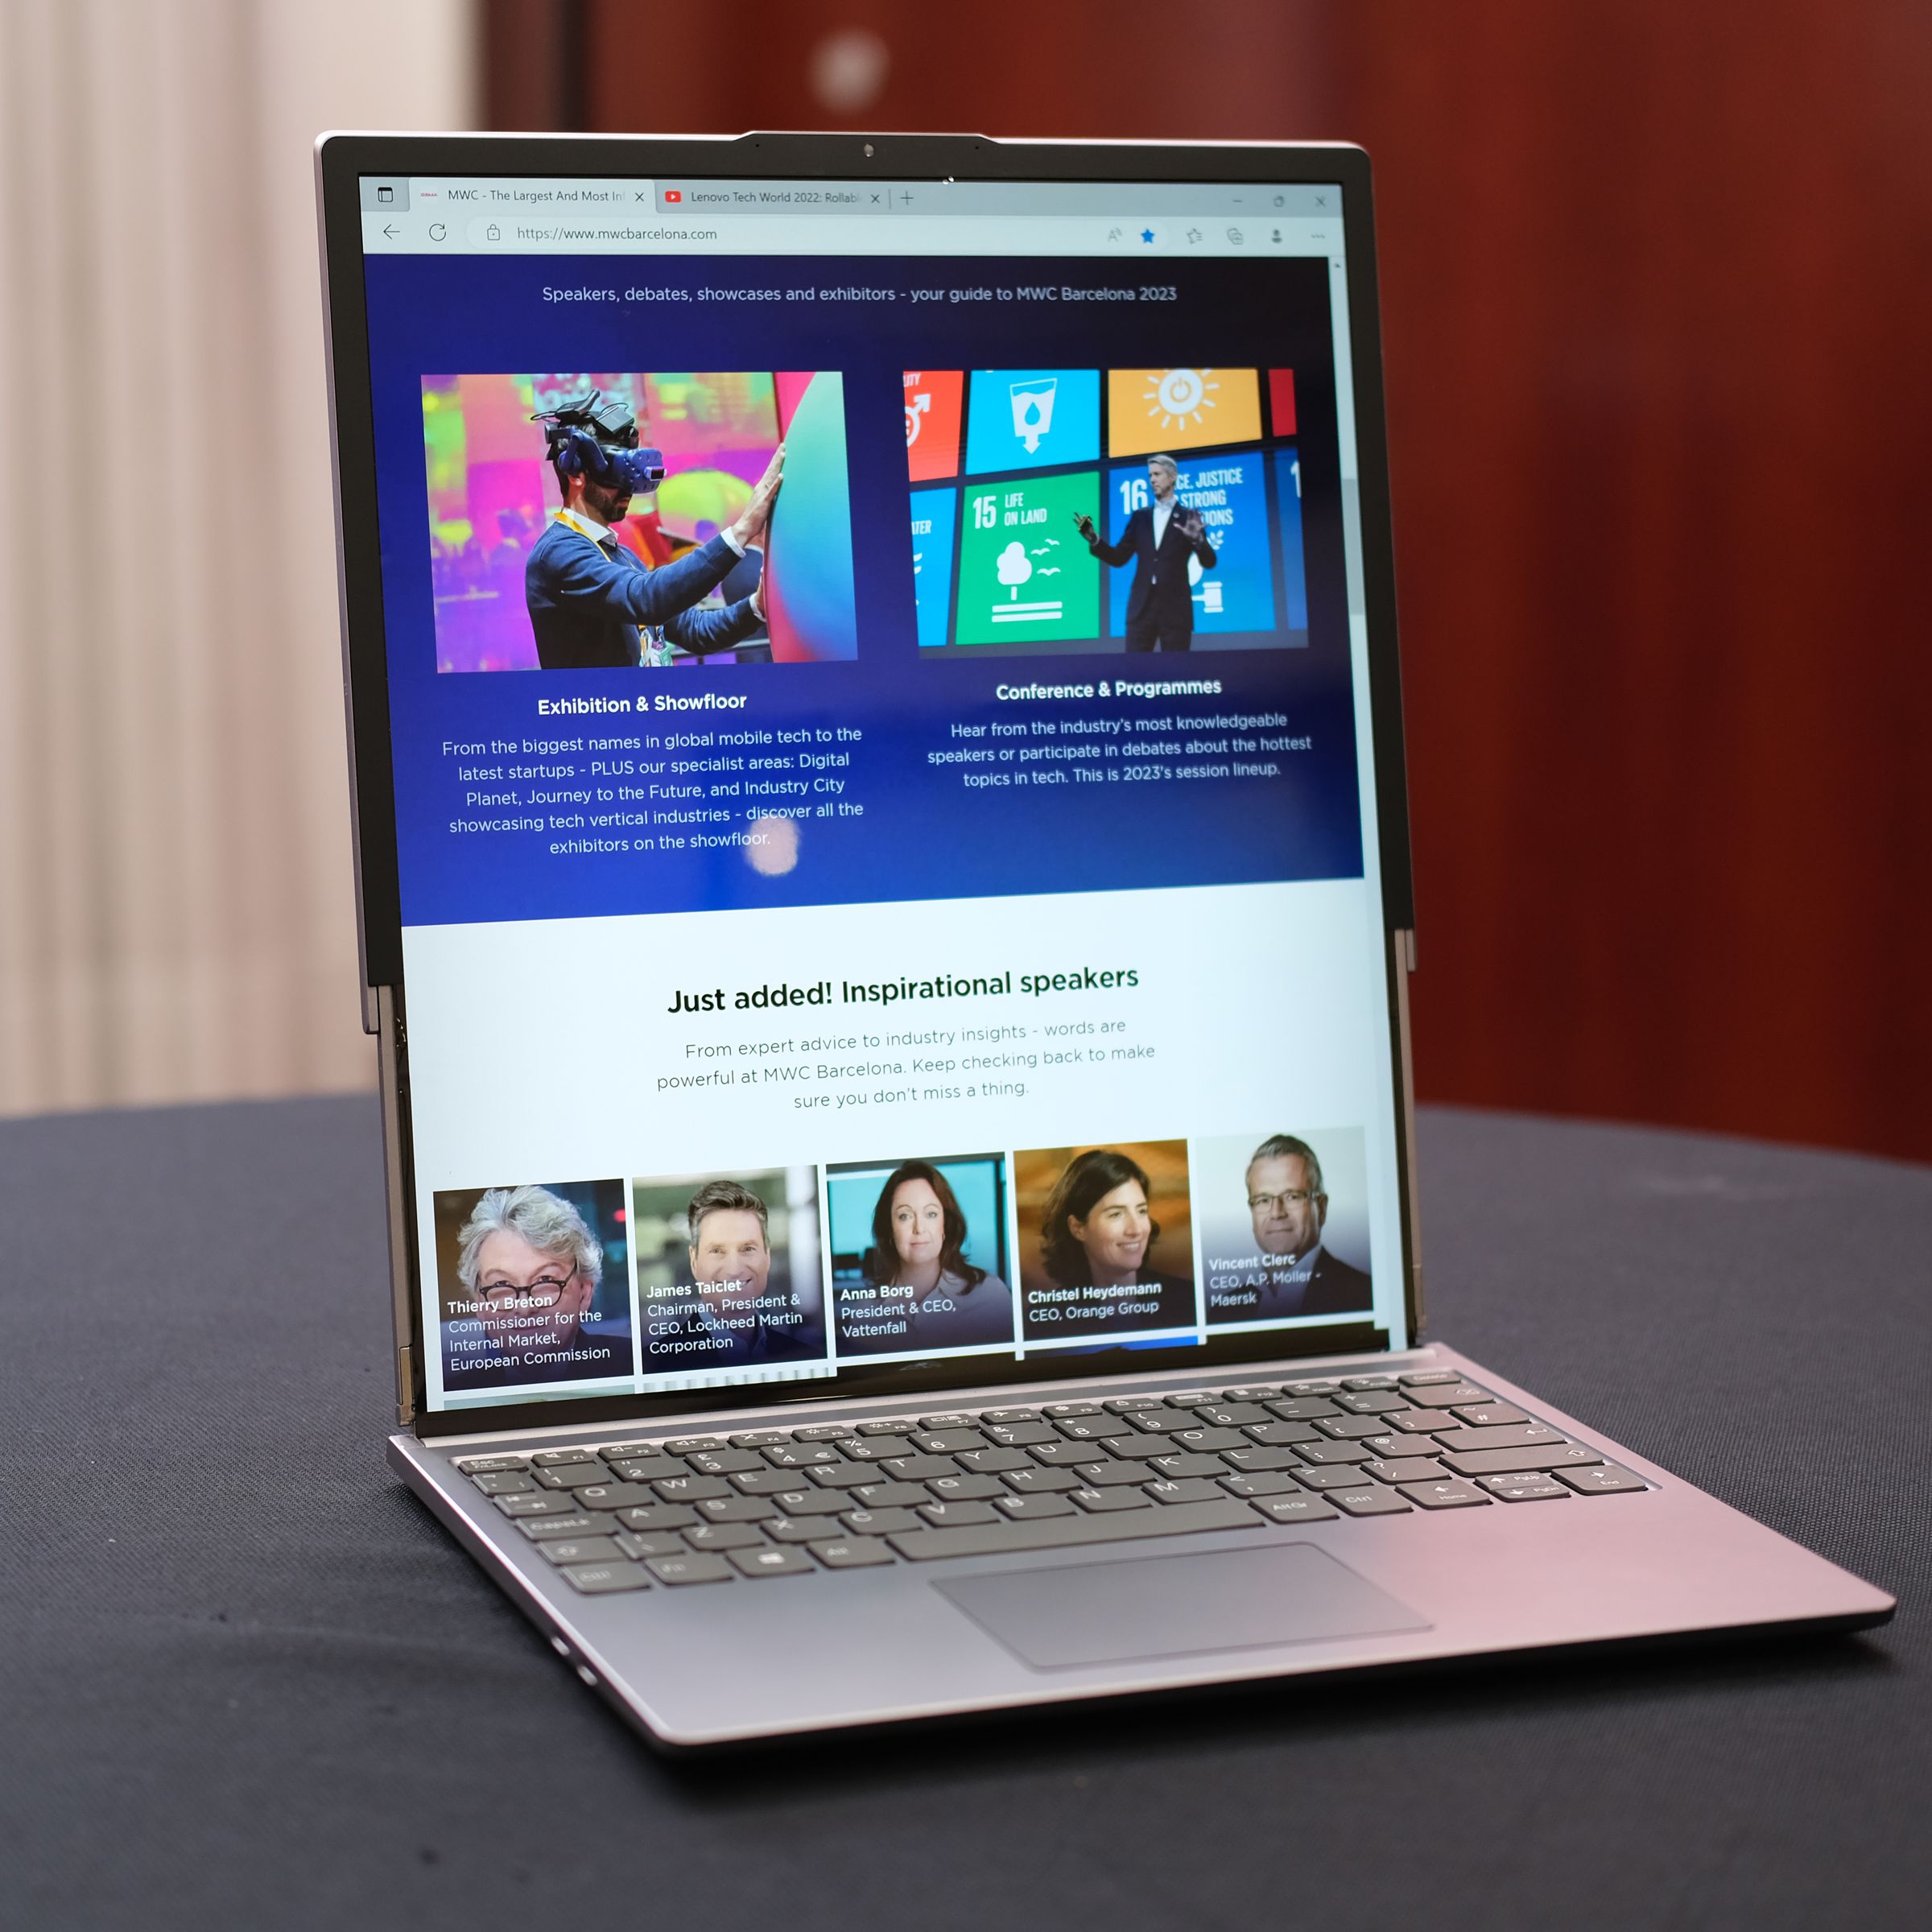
point(764, 1482)
point(965, 1489)
point(1233, 1415)
point(505, 1482)
point(1178, 1468)
point(1155, 1422)
point(1262, 1486)
point(946, 1441)
point(1323, 1455)
point(1348, 1428)
point(1098, 1501)
point(1278, 1434)
point(654, 1516)
point(690, 1569)
point(623, 1496)
point(830, 1502)
point(569, 1476)
point(1606, 1479)
point(1297, 1391)
point(987, 1416)
point(758, 1438)
point(1193, 1489)
point(578, 1522)
point(490, 1465)
point(919, 1468)
point(874, 1448)
point(639, 1547)
point(884, 1495)
point(1109, 1476)
point(1060, 1410)
point(1448, 1395)
point(1136, 1448)
point(820, 1432)
point(1508, 1462)
point(1413, 1421)
point(1041, 1482)
point(1077, 1529)
point(807, 1528)
point(1443, 1496)
point(1405, 1469)
point(627, 1452)
point(853, 1552)
point(952, 1419)
point(1488, 1415)
point(1025, 1508)
point(771, 1563)
point(1526, 1488)
point(1070, 1455)
point(1296, 1509)
point(1018, 1435)
point(1250, 1395)
point(1126, 1405)
point(991, 1462)
point(693, 1445)
point(688, 1488)
point(1260, 1462)
point(735, 1509)
point(724, 1536)
point(945, 1516)
point(1373, 1402)
point(602, 1579)
point(901, 1425)
point(866, 1523)
point(1348, 1477)
point(641, 1469)
point(583, 1550)
point(1092, 1428)
point(546, 1502)
point(1359, 1383)
point(556, 1458)
point(722, 1462)
point(1210, 1440)
point(838, 1475)
point(1512, 1435)
point(800, 1455)
point(1374, 1501)
point(1429, 1378)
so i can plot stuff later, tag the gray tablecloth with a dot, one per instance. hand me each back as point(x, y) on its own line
point(245, 1681)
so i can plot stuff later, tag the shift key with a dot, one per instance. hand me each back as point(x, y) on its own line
point(1504, 1435)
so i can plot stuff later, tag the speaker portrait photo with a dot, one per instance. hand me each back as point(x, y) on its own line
point(1160, 540)
point(728, 1269)
point(1274, 1244)
point(1106, 1241)
point(918, 1255)
point(536, 1286)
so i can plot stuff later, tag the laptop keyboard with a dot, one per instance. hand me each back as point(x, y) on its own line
point(686, 1510)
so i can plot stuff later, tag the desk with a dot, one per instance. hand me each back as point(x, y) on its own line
point(247, 1683)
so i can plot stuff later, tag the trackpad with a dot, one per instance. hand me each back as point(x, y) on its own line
point(1177, 1606)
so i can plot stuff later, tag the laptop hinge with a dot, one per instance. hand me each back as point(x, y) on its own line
point(1404, 941)
point(390, 1043)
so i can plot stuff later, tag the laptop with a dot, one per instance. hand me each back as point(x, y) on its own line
point(885, 899)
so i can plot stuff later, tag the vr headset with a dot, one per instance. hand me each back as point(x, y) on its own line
point(592, 438)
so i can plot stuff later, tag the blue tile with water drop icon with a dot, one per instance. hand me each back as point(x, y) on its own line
point(1031, 418)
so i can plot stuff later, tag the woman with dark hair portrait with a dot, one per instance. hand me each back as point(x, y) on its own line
point(1098, 1233)
point(918, 1236)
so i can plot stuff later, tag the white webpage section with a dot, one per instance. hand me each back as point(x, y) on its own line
point(549, 1051)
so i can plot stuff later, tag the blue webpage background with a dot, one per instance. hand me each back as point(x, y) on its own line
point(922, 836)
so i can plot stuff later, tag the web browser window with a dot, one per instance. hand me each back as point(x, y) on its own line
point(885, 814)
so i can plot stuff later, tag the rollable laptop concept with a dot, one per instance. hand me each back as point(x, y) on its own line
point(885, 906)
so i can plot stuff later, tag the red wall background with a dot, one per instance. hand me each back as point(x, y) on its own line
point(1657, 299)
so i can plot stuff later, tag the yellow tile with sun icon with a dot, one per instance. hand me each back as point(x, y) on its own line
point(1156, 409)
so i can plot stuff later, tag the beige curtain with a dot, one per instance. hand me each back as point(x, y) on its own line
point(175, 909)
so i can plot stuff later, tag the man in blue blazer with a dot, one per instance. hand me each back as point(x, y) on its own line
point(1158, 541)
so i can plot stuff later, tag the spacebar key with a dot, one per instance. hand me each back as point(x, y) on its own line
point(1060, 1532)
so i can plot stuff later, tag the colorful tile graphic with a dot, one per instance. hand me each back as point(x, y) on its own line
point(1288, 517)
point(1170, 409)
point(1032, 419)
point(934, 512)
point(932, 422)
point(1025, 575)
point(1230, 493)
point(1281, 402)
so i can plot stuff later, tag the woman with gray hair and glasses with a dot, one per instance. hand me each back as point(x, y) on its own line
point(529, 1268)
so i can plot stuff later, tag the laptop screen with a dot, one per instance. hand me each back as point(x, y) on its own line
point(885, 810)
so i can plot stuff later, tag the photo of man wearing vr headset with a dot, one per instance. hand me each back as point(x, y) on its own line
point(593, 602)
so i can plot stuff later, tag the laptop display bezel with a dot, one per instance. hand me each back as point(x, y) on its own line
point(341, 161)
